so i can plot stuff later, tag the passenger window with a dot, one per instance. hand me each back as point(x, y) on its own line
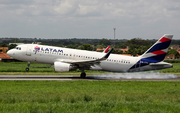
point(18, 48)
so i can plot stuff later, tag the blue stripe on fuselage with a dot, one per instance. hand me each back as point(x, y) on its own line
point(146, 61)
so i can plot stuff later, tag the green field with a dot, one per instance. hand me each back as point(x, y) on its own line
point(18, 68)
point(89, 96)
point(85, 96)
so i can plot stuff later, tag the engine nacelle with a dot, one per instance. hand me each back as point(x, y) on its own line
point(63, 67)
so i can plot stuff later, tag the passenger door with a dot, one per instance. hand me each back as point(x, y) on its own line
point(28, 52)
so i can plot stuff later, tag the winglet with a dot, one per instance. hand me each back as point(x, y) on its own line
point(105, 51)
point(106, 55)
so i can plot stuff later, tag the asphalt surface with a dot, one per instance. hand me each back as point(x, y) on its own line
point(77, 77)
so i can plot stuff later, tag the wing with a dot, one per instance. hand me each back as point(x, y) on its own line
point(85, 63)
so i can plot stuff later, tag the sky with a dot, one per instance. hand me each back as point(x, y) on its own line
point(61, 19)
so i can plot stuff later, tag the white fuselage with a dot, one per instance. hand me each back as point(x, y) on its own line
point(51, 54)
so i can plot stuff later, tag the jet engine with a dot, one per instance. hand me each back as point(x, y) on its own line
point(63, 67)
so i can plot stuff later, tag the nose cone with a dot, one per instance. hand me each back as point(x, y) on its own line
point(10, 53)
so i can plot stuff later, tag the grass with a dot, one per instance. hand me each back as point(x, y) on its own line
point(21, 66)
point(18, 68)
point(85, 96)
point(89, 96)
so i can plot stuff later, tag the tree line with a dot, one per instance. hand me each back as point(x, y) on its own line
point(136, 46)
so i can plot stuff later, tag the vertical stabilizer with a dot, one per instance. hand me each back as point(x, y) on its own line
point(157, 52)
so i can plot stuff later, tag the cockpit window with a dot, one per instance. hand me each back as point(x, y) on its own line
point(18, 48)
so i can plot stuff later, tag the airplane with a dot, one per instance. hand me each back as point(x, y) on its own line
point(65, 59)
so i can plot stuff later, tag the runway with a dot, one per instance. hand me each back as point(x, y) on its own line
point(76, 77)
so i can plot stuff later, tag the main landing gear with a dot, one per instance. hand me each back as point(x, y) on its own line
point(83, 75)
point(27, 69)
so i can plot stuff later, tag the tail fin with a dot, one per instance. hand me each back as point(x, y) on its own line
point(157, 52)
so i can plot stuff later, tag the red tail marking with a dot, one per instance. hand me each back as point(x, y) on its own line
point(164, 39)
point(158, 52)
point(107, 49)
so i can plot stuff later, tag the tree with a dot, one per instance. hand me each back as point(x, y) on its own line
point(71, 46)
point(174, 52)
point(101, 46)
point(104, 42)
point(3, 45)
point(121, 45)
point(16, 40)
point(137, 46)
point(138, 41)
point(133, 50)
point(12, 46)
point(86, 47)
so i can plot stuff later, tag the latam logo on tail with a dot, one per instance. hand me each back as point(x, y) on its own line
point(47, 49)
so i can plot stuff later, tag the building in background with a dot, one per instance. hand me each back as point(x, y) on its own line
point(3, 49)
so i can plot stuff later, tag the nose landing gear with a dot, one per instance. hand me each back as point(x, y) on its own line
point(27, 69)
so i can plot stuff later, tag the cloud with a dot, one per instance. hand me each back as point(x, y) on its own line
point(84, 18)
point(10, 2)
point(65, 7)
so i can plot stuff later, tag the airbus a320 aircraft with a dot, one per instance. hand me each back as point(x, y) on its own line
point(65, 59)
